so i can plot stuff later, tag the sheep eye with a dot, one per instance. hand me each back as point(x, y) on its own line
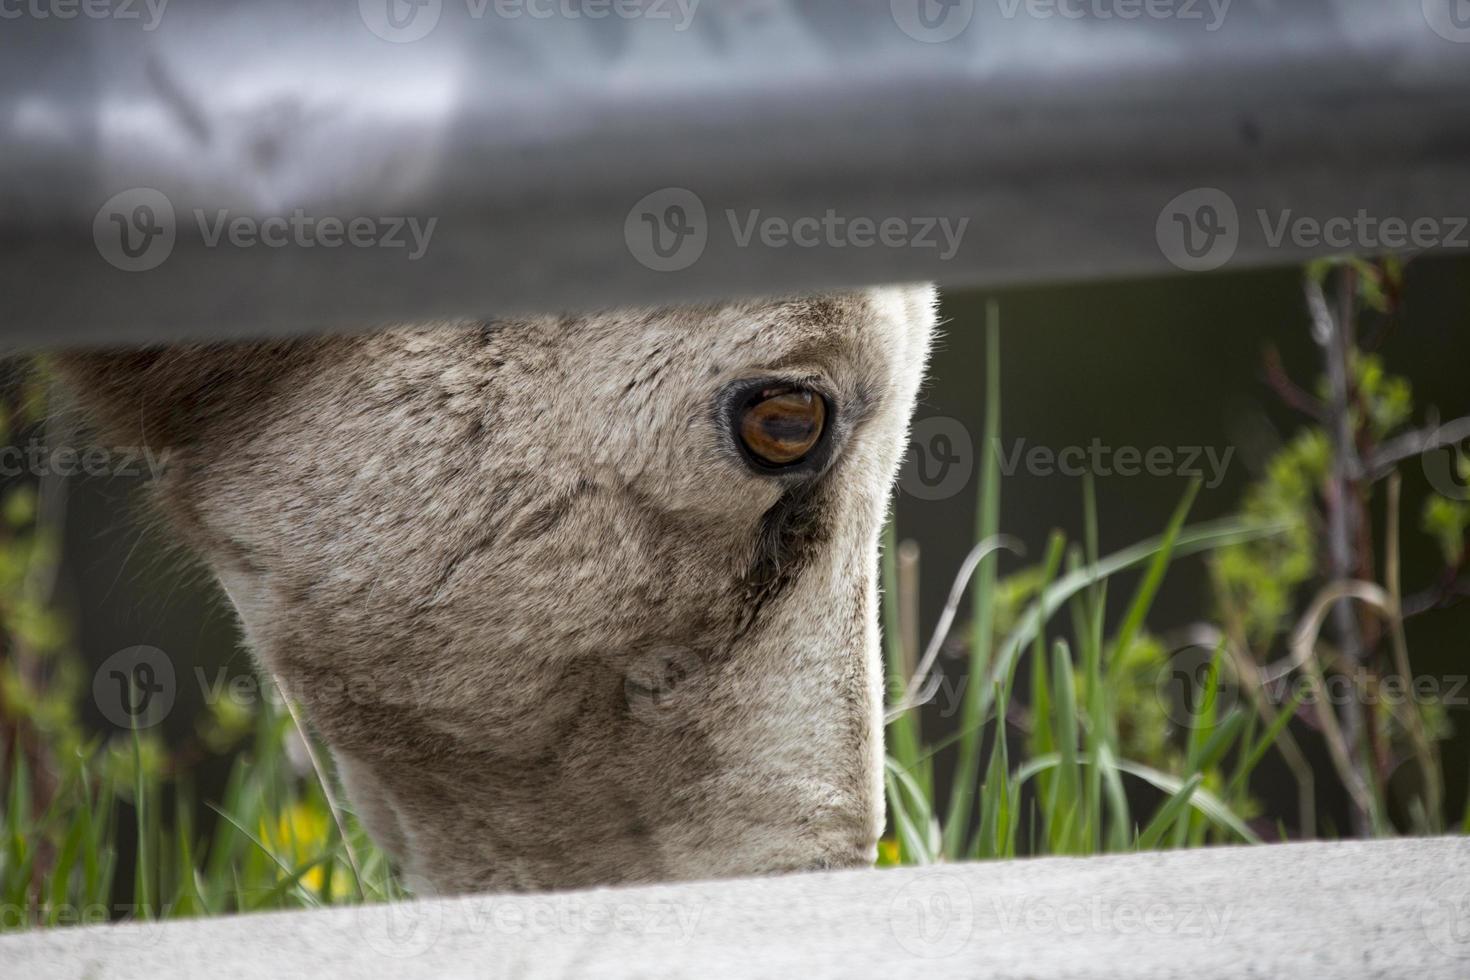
point(780, 426)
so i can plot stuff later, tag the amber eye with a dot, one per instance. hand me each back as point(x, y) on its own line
point(779, 426)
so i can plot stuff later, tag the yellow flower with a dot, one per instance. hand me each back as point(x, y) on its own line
point(301, 835)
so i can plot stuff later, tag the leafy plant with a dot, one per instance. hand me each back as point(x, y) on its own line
point(1079, 733)
point(1100, 723)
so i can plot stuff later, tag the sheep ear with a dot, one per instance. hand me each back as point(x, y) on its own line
point(170, 395)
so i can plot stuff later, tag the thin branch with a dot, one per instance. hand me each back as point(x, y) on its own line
point(1333, 335)
point(326, 784)
point(1424, 747)
point(1444, 596)
point(907, 568)
point(1387, 456)
point(921, 688)
point(1208, 637)
point(1302, 643)
point(1287, 390)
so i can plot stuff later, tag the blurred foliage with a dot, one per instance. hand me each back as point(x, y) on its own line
point(1262, 578)
point(1129, 714)
point(79, 803)
point(1081, 732)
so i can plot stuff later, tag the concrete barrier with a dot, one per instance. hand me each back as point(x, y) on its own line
point(1397, 908)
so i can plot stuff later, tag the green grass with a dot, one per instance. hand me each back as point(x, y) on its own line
point(1057, 785)
point(1089, 753)
point(1065, 790)
point(1062, 742)
point(1068, 723)
point(276, 843)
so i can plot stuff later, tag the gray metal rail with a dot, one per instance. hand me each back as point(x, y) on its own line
point(214, 168)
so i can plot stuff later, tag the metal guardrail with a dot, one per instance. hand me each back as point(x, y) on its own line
point(213, 168)
point(1390, 909)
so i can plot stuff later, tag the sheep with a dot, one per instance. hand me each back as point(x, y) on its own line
point(574, 600)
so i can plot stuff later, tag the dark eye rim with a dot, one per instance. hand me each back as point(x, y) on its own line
point(740, 395)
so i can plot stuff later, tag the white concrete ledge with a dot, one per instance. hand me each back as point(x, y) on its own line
point(1384, 909)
